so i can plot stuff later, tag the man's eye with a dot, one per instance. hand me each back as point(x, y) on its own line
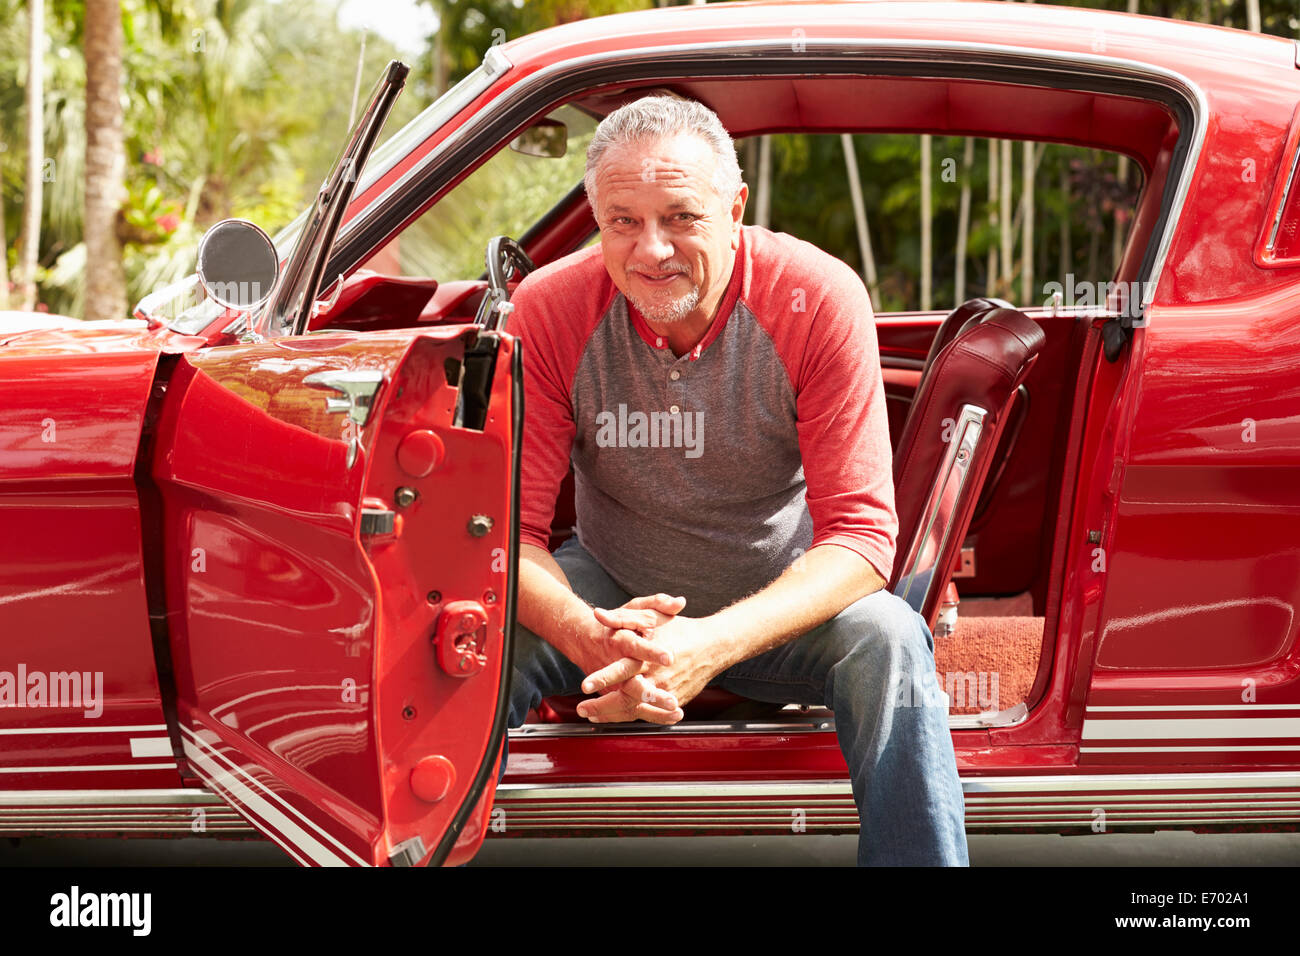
point(686, 217)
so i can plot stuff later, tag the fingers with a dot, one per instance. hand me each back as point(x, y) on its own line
point(633, 700)
point(631, 644)
point(640, 620)
point(641, 612)
point(635, 687)
point(611, 675)
point(658, 602)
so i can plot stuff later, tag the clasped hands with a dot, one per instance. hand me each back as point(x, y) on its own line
point(645, 660)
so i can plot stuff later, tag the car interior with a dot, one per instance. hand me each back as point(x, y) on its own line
point(985, 396)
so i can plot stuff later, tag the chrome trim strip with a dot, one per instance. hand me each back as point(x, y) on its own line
point(991, 803)
point(794, 725)
point(1187, 749)
point(1082, 65)
point(1007, 718)
point(810, 825)
point(1133, 781)
point(1112, 822)
point(96, 767)
point(99, 798)
point(1202, 798)
point(30, 731)
point(948, 485)
point(1111, 708)
point(971, 785)
point(1156, 729)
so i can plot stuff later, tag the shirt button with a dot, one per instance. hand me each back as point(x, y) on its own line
point(659, 343)
point(674, 410)
point(674, 375)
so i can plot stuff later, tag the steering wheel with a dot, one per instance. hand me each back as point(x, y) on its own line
point(505, 260)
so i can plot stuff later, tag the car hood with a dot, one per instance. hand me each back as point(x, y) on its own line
point(43, 332)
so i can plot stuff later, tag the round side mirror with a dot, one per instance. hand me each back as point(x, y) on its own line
point(237, 264)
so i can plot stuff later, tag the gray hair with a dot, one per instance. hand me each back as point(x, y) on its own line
point(653, 117)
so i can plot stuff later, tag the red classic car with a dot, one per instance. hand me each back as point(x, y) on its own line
point(258, 544)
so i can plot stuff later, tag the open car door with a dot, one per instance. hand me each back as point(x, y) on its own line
point(341, 524)
point(339, 532)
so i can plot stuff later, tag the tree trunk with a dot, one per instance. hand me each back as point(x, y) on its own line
point(860, 217)
point(750, 172)
point(763, 201)
point(926, 231)
point(1252, 15)
point(991, 285)
point(1067, 252)
point(963, 221)
point(105, 161)
point(30, 245)
point(4, 258)
point(1004, 219)
point(1027, 226)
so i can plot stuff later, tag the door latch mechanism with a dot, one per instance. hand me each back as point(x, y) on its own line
point(461, 636)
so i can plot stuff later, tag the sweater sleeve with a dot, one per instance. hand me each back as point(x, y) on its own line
point(823, 326)
point(555, 309)
point(548, 418)
point(843, 427)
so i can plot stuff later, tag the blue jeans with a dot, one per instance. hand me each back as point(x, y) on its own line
point(872, 665)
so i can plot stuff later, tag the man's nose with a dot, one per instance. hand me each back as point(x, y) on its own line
point(653, 246)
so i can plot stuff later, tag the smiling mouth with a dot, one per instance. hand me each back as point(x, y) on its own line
point(659, 279)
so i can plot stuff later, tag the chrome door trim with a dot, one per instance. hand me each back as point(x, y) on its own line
point(949, 484)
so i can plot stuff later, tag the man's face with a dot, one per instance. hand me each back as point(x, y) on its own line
point(668, 239)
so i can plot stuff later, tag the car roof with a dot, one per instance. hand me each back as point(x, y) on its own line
point(1204, 53)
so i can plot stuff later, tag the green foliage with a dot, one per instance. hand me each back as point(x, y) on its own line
point(233, 107)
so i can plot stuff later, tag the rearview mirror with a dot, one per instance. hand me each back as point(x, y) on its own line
point(237, 264)
point(547, 138)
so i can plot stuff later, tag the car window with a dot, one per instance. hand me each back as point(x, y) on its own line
point(504, 196)
point(1083, 207)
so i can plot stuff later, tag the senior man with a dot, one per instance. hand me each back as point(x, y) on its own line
point(717, 388)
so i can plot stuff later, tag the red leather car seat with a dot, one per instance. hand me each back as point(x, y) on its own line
point(1019, 410)
point(949, 442)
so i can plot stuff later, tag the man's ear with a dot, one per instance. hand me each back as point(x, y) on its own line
point(738, 215)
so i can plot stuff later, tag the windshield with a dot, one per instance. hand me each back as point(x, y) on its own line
point(295, 294)
point(505, 196)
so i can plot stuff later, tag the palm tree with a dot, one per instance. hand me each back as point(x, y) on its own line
point(31, 229)
point(926, 224)
point(105, 161)
point(4, 255)
point(963, 220)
